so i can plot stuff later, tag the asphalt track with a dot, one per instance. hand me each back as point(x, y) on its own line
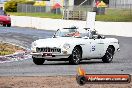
point(122, 62)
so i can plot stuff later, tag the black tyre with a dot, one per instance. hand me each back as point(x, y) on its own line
point(4, 25)
point(8, 25)
point(81, 80)
point(76, 56)
point(38, 61)
point(108, 57)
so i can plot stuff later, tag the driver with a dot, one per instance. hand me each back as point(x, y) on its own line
point(73, 32)
point(76, 33)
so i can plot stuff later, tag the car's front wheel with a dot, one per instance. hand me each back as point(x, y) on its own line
point(76, 56)
point(38, 61)
point(4, 25)
point(108, 57)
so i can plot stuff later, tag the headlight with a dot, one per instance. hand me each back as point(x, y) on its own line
point(34, 44)
point(66, 46)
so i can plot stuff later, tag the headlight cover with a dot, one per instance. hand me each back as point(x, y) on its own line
point(33, 45)
point(66, 46)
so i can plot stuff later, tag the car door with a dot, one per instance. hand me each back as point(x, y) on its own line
point(96, 48)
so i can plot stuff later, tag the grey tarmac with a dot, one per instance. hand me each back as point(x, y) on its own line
point(122, 62)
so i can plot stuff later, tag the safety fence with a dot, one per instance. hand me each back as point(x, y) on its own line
point(113, 12)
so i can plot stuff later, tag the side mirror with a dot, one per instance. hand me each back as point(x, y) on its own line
point(103, 37)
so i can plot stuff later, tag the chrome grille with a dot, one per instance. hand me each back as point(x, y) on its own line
point(46, 49)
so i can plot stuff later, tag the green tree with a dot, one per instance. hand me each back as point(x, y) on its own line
point(11, 6)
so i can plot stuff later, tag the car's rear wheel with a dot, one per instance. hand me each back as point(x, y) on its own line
point(76, 56)
point(108, 57)
point(38, 61)
point(8, 25)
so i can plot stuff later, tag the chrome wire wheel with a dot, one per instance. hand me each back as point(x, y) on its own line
point(108, 55)
point(76, 56)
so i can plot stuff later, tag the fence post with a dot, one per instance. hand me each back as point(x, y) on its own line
point(26, 8)
point(130, 9)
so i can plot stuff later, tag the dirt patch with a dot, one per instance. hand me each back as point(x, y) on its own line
point(6, 49)
point(52, 82)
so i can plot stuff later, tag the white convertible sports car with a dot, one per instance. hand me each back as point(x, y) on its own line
point(69, 45)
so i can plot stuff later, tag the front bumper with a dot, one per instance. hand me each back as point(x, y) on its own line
point(50, 55)
point(5, 22)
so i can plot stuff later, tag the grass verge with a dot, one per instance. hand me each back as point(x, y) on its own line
point(111, 15)
point(6, 49)
point(41, 15)
point(116, 15)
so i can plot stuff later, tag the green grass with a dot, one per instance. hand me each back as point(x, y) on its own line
point(42, 15)
point(6, 49)
point(5, 53)
point(116, 15)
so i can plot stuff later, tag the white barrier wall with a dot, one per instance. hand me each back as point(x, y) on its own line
point(115, 28)
point(106, 28)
